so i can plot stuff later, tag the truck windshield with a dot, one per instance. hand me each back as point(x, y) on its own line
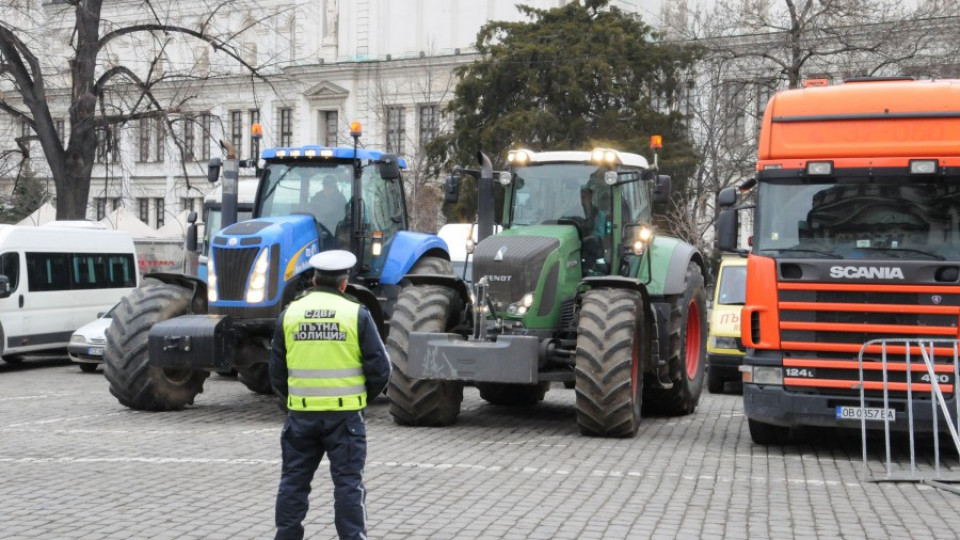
point(546, 193)
point(895, 218)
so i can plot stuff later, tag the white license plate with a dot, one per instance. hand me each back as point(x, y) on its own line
point(870, 414)
point(95, 351)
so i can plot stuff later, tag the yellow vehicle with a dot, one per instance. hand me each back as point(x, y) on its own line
point(725, 349)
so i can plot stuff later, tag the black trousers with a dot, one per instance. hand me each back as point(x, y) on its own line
point(305, 438)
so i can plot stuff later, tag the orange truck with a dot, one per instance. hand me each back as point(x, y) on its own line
point(856, 237)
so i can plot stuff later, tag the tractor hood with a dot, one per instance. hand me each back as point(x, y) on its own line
point(543, 260)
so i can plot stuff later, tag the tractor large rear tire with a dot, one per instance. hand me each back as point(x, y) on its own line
point(688, 346)
point(421, 402)
point(133, 381)
point(432, 265)
point(609, 363)
point(513, 395)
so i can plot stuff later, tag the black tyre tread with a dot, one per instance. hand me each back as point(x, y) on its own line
point(512, 395)
point(256, 378)
point(132, 380)
point(768, 434)
point(684, 397)
point(420, 402)
point(609, 328)
point(432, 265)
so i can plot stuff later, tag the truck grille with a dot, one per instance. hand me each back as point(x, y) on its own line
point(233, 267)
point(824, 326)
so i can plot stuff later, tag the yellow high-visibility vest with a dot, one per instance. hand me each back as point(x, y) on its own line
point(324, 368)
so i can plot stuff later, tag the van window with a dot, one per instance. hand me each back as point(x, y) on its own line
point(71, 271)
point(10, 267)
point(733, 285)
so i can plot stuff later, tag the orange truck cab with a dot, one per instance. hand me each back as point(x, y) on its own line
point(856, 237)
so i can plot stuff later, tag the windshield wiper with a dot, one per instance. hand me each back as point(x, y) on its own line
point(930, 254)
point(830, 254)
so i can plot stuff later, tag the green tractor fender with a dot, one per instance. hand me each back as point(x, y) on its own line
point(667, 265)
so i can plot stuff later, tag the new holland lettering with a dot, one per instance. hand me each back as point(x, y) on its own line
point(866, 272)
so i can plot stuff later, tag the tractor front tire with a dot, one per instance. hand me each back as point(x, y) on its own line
point(688, 346)
point(421, 402)
point(256, 377)
point(609, 360)
point(133, 381)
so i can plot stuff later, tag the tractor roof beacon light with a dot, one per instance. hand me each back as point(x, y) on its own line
point(356, 202)
point(656, 144)
point(356, 130)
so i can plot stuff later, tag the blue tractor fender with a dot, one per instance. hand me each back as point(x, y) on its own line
point(405, 250)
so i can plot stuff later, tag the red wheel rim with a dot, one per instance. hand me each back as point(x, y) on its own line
point(693, 339)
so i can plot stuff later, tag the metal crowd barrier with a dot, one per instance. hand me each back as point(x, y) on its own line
point(940, 476)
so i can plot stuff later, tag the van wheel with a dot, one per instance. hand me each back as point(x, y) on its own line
point(715, 381)
point(11, 359)
point(87, 367)
point(133, 381)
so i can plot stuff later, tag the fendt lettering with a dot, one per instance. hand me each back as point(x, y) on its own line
point(865, 272)
point(857, 210)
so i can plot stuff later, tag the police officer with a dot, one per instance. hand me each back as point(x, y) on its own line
point(327, 361)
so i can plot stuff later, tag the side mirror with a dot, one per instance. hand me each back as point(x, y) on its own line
point(728, 223)
point(727, 197)
point(451, 191)
point(4, 286)
point(192, 233)
point(213, 170)
point(389, 167)
point(661, 189)
point(191, 217)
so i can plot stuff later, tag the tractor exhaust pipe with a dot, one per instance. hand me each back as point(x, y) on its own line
point(485, 200)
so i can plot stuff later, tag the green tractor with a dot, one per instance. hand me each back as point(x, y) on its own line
point(578, 288)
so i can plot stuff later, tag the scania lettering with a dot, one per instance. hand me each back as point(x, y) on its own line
point(853, 272)
point(855, 239)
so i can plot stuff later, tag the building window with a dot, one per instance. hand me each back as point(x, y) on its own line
point(144, 154)
point(328, 123)
point(236, 131)
point(158, 208)
point(429, 123)
point(101, 203)
point(159, 141)
point(61, 130)
point(734, 96)
point(24, 128)
point(395, 130)
point(188, 138)
point(206, 121)
point(191, 204)
point(254, 119)
point(101, 154)
point(143, 205)
point(286, 127)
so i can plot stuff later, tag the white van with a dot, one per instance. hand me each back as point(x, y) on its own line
point(57, 277)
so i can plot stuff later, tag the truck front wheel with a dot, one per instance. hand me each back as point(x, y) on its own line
point(421, 402)
point(609, 363)
point(133, 381)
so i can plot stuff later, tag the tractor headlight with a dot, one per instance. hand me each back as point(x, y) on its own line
point(521, 307)
point(638, 237)
point(211, 281)
point(256, 287)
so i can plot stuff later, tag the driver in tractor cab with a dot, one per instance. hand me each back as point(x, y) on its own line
point(328, 204)
point(591, 221)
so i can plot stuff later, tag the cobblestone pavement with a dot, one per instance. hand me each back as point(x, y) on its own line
point(76, 464)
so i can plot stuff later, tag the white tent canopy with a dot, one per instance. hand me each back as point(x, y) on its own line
point(125, 220)
point(174, 228)
point(45, 214)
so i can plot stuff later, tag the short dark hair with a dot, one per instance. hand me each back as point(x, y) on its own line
point(327, 279)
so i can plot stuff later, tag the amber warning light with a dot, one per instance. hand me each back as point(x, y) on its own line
point(656, 142)
point(256, 130)
point(355, 129)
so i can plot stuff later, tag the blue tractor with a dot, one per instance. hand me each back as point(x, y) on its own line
point(170, 333)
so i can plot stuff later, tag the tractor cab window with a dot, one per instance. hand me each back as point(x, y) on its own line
point(636, 206)
point(319, 189)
